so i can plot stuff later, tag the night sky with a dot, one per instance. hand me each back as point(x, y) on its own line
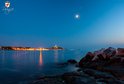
point(67, 23)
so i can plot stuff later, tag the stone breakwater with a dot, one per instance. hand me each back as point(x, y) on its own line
point(105, 66)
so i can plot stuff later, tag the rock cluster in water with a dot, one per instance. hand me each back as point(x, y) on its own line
point(105, 66)
point(103, 57)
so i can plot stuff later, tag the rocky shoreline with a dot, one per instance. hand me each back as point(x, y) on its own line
point(105, 66)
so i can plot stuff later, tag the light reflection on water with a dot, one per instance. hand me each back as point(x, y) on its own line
point(40, 59)
point(18, 66)
point(56, 55)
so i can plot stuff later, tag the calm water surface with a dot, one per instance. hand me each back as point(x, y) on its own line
point(16, 67)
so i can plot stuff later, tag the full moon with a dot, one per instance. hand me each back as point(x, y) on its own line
point(77, 16)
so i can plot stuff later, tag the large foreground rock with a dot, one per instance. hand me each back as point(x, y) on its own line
point(102, 57)
point(109, 60)
point(88, 58)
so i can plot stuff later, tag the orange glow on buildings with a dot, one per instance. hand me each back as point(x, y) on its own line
point(28, 49)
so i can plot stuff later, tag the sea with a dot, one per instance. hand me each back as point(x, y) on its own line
point(20, 67)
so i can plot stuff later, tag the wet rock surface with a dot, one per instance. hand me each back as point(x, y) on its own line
point(84, 76)
point(49, 80)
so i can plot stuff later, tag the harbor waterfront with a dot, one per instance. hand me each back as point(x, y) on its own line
point(29, 48)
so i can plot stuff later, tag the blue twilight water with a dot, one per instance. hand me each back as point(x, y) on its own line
point(18, 66)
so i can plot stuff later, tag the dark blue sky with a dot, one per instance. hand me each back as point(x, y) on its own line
point(44, 23)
